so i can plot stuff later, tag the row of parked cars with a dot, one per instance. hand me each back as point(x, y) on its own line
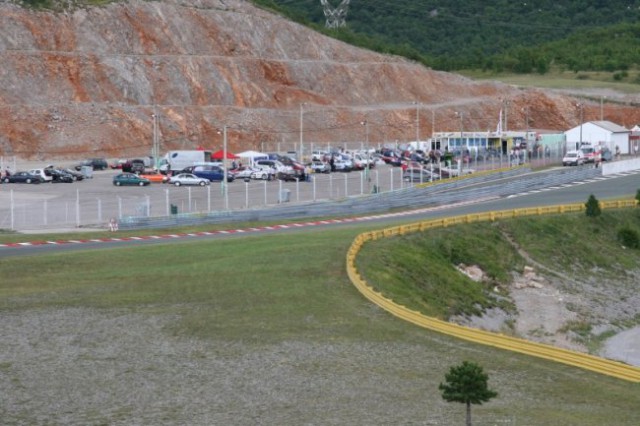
point(180, 179)
point(47, 174)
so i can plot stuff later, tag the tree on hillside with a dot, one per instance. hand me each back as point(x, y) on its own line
point(466, 383)
point(593, 207)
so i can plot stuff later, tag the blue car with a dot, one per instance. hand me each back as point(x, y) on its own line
point(212, 173)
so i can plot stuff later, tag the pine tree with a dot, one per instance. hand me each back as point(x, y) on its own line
point(466, 383)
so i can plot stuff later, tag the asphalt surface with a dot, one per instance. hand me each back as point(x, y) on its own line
point(603, 188)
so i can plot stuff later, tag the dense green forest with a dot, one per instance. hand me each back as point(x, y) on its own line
point(494, 35)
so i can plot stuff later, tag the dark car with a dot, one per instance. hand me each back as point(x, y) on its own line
point(94, 163)
point(133, 166)
point(130, 179)
point(60, 176)
point(22, 177)
point(74, 174)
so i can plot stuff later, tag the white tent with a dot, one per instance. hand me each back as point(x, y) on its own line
point(252, 156)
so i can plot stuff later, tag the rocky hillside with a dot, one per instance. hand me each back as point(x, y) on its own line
point(88, 82)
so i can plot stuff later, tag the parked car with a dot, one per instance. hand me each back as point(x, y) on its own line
point(248, 172)
point(94, 163)
point(213, 173)
point(118, 163)
point(590, 154)
point(419, 175)
point(188, 179)
point(43, 173)
point(262, 174)
point(60, 176)
point(22, 177)
point(156, 177)
point(341, 165)
point(320, 166)
point(573, 158)
point(130, 179)
point(74, 174)
point(278, 166)
point(134, 166)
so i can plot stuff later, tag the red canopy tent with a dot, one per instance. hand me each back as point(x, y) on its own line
point(219, 155)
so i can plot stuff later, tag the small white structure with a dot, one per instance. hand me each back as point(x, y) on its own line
point(250, 157)
point(599, 133)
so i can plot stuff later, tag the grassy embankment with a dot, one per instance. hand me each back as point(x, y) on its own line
point(585, 81)
point(287, 288)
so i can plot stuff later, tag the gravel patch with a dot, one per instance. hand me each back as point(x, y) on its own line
point(91, 367)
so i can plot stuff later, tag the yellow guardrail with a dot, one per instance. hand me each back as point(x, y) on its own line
point(573, 358)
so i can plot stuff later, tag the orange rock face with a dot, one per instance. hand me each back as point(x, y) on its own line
point(87, 82)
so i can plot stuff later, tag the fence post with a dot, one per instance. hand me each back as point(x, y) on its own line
point(346, 186)
point(77, 208)
point(119, 207)
point(189, 192)
point(246, 194)
point(391, 178)
point(44, 211)
point(264, 182)
point(166, 197)
point(314, 188)
point(99, 210)
point(208, 198)
point(12, 212)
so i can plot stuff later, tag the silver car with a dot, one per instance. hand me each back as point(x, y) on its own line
point(188, 179)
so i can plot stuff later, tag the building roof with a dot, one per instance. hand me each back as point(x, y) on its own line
point(612, 127)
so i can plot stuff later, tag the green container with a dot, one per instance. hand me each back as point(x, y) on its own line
point(174, 209)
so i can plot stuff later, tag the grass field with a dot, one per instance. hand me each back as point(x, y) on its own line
point(254, 330)
point(587, 81)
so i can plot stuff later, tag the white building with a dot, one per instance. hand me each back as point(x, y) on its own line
point(602, 133)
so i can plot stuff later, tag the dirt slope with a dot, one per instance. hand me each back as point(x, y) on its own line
point(87, 82)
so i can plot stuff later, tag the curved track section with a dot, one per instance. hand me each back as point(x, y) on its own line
point(573, 358)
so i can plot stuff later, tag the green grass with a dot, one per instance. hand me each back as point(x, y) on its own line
point(418, 270)
point(264, 290)
point(564, 80)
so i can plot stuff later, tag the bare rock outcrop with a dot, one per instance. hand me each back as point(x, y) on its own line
point(88, 81)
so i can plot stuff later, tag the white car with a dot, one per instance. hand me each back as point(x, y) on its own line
point(188, 179)
point(262, 173)
point(320, 166)
point(573, 158)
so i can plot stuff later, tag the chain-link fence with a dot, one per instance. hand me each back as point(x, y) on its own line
point(96, 202)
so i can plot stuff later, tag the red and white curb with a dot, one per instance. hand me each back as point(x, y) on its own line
point(229, 231)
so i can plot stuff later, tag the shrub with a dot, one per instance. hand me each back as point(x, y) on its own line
point(593, 207)
point(638, 196)
point(629, 237)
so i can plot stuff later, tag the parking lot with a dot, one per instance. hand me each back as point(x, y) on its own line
point(96, 201)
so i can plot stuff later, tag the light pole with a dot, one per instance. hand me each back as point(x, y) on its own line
point(506, 110)
point(224, 167)
point(461, 115)
point(601, 108)
point(581, 106)
point(417, 123)
point(365, 123)
point(302, 130)
point(155, 151)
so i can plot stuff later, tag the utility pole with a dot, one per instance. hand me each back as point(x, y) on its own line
point(417, 123)
point(155, 151)
point(301, 131)
point(581, 106)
